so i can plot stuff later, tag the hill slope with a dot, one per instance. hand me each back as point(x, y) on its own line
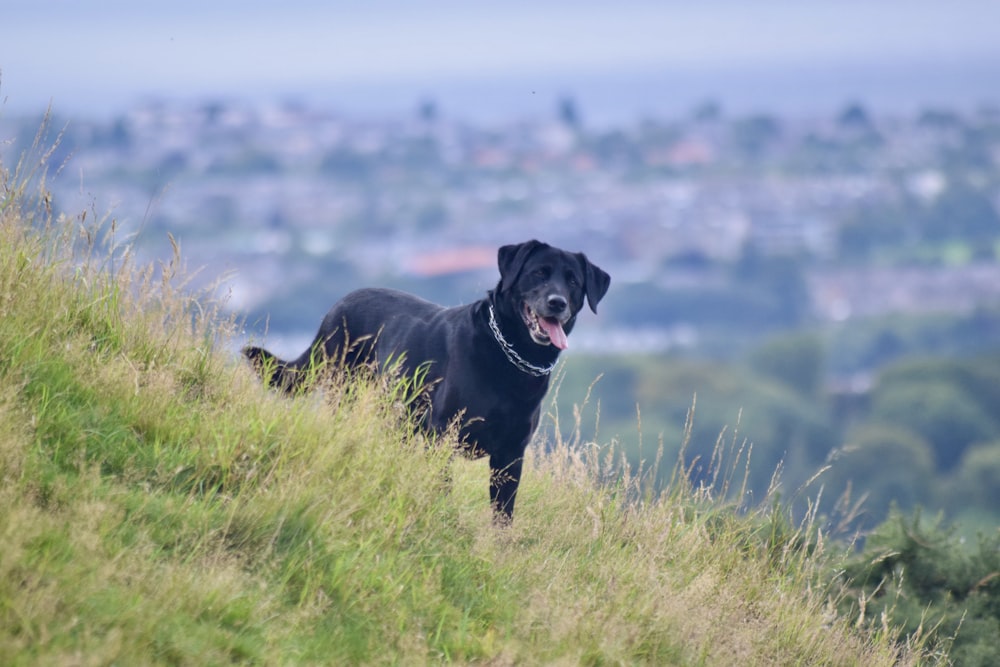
point(157, 506)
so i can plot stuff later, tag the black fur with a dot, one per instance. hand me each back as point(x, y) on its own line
point(497, 393)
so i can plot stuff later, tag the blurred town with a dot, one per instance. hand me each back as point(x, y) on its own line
point(869, 214)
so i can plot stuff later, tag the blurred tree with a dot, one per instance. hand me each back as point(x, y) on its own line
point(855, 117)
point(753, 136)
point(783, 428)
point(937, 410)
point(213, 111)
point(977, 480)
point(709, 111)
point(874, 226)
point(885, 463)
point(613, 149)
point(117, 136)
point(978, 378)
point(568, 113)
point(796, 359)
point(975, 154)
point(781, 277)
point(963, 213)
point(428, 112)
point(939, 119)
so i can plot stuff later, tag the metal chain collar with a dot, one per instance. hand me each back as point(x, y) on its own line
point(512, 356)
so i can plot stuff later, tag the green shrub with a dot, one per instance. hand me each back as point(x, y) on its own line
point(920, 581)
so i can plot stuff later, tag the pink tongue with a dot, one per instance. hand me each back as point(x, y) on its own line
point(554, 331)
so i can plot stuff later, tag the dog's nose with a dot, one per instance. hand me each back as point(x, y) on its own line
point(557, 304)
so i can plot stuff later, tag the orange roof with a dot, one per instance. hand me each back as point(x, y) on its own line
point(452, 260)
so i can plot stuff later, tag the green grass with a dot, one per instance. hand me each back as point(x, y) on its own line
point(159, 506)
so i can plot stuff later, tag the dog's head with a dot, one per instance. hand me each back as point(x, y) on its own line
point(548, 286)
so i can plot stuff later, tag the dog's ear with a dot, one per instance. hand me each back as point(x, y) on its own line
point(596, 281)
point(511, 259)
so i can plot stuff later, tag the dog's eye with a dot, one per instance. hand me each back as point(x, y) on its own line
point(572, 281)
point(542, 272)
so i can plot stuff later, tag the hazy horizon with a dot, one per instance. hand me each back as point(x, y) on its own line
point(619, 62)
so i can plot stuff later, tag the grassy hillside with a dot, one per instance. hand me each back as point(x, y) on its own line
point(158, 506)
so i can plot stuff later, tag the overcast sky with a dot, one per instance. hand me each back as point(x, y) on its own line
point(98, 55)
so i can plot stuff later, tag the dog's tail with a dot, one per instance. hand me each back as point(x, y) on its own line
point(279, 374)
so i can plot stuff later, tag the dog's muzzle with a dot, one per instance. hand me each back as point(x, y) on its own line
point(547, 329)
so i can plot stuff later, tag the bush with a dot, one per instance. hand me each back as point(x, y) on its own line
point(918, 579)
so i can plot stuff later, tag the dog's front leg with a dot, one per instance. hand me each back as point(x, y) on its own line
point(505, 475)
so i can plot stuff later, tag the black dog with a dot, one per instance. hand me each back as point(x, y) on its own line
point(488, 362)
